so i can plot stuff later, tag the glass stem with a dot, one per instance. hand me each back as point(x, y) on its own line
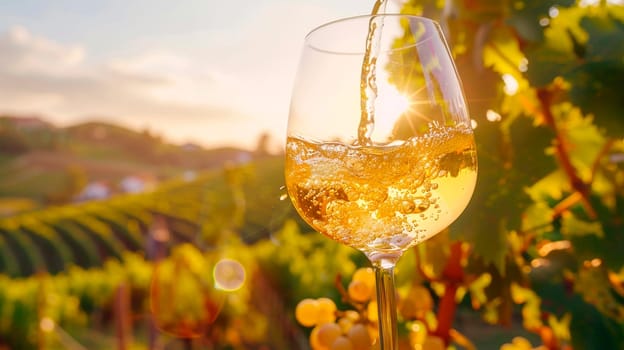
point(386, 305)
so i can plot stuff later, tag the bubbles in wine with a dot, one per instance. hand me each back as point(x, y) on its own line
point(383, 197)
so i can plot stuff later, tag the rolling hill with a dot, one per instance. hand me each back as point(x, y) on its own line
point(46, 164)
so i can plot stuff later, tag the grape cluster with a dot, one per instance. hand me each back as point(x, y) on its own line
point(343, 330)
point(416, 308)
point(357, 329)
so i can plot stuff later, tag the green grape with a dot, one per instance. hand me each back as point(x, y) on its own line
point(366, 275)
point(342, 343)
point(327, 334)
point(521, 343)
point(345, 324)
point(314, 340)
point(352, 315)
point(359, 337)
point(307, 312)
point(326, 310)
point(416, 303)
point(359, 291)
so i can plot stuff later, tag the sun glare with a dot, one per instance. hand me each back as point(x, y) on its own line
point(585, 3)
point(389, 106)
point(229, 275)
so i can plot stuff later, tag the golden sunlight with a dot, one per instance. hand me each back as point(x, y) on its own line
point(585, 3)
point(389, 106)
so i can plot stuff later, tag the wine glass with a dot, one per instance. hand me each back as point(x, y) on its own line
point(380, 153)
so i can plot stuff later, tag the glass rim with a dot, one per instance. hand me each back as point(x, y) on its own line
point(369, 16)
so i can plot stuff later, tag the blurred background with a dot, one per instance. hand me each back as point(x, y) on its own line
point(141, 181)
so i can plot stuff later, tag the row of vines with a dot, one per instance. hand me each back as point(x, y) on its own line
point(66, 271)
point(193, 210)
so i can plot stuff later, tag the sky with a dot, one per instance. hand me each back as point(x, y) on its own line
point(216, 73)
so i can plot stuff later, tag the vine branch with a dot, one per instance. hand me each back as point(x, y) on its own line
point(603, 151)
point(453, 276)
point(562, 153)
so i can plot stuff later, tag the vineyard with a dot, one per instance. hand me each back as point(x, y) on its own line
point(220, 260)
point(64, 266)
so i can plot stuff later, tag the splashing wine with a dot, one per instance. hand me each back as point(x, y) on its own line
point(383, 200)
point(368, 79)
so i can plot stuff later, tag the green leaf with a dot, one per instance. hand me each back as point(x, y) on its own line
point(592, 330)
point(556, 55)
point(593, 285)
point(572, 226)
point(582, 45)
point(589, 328)
point(537, 217)
point(529, 143)
point(502, 52)
point(583, 139)
point(607, 246)
point(596, 88)
point(550, 188)
point(604, 30)
point(526, 16)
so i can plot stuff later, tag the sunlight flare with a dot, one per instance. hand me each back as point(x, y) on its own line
point(229, 275)
point(389, 106)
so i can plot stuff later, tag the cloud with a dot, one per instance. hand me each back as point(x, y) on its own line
point(172, 78)
point(24, 53)
point(157, 89)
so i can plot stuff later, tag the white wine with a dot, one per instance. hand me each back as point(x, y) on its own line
point(383, 199)
point(368, 76)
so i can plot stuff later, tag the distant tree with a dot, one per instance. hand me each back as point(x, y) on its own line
point(76, 181)
point(12, 142)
